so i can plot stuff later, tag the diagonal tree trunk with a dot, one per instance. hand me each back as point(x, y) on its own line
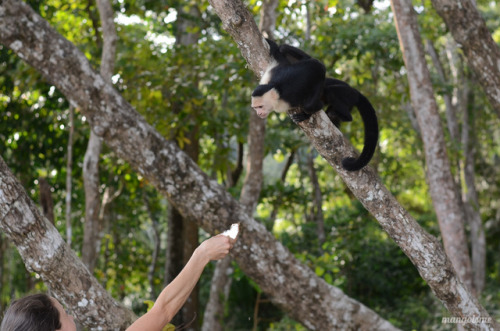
point(290, 284)
point(443, 190)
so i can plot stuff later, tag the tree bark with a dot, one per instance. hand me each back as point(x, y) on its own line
point(92, 226)
point(443, 190)
point(470, 31)
point(45, 252)
point(290, 284)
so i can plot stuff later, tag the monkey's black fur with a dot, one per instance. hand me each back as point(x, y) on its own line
point(300, 81)
point(341, 98)
point(305, 92)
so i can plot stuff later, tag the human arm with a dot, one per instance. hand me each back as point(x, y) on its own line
point(176, 293)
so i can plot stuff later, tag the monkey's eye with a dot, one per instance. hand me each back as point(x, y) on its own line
point(258, 107)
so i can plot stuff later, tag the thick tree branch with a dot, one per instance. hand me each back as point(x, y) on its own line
point(293, 286)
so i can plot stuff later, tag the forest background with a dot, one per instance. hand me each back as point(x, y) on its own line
point(178, 67)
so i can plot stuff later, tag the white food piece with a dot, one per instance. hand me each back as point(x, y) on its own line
point(232, 232)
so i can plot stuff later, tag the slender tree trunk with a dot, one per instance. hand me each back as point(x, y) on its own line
point(190, 311)
point(464, 98)
point(109, 38)
point(46, 200)
point(92, 201)
point(444, 193)
point(69, 175)
point(156, 250)
point(279, 198)
point(260, 256)
point(174, 252)
point(93, 226)
point(317, 198)
point(471, 203)
point(470, 31)
point(268, 15)
point(451, 113)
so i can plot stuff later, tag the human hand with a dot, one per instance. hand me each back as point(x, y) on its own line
point(216, 248)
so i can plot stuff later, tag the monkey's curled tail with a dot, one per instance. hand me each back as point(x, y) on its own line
point(369, 117)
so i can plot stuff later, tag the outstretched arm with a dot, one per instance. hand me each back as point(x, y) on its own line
point(176, 293)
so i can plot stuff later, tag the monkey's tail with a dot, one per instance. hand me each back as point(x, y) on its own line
point(371, 136)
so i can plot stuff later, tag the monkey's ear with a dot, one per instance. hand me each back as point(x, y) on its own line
point(273, 93)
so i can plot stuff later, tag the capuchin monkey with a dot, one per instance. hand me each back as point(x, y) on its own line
point(279, 88)
point(294, 79)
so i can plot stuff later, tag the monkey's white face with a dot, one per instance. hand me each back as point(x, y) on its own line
point(262, 107)
point(267, 103)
